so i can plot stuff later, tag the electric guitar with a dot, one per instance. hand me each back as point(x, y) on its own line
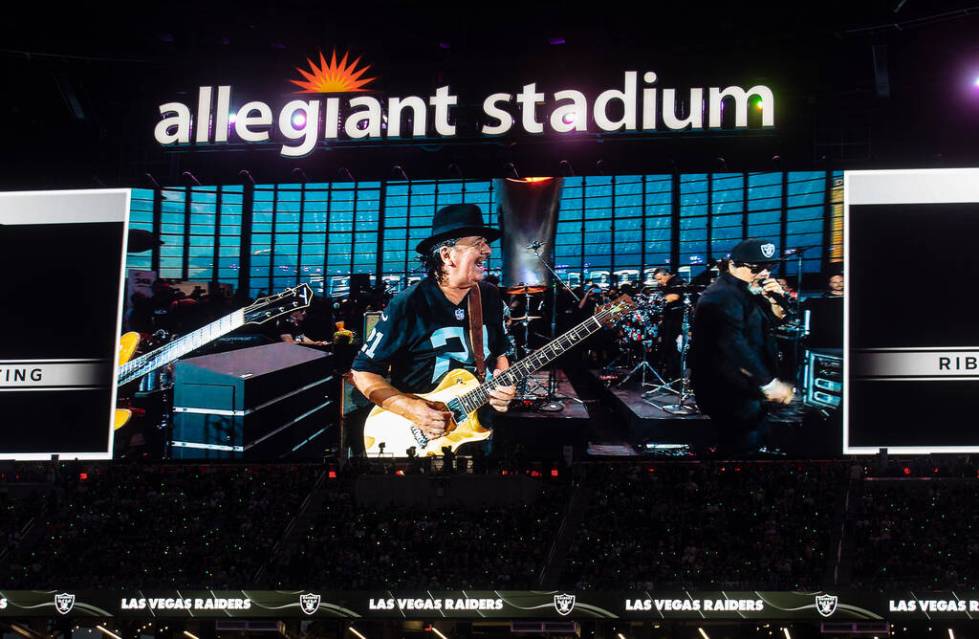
point(264, 309)
point(461, 393)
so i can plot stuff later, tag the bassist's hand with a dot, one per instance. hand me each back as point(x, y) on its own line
point(432, 418)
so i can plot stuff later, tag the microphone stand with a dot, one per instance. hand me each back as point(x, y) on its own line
point(552, 403)
point(799, 254)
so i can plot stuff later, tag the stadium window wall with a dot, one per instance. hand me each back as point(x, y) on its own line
point(610, 229)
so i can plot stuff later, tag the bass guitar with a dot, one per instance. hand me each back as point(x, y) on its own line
point(461, 393)
point(264, 309)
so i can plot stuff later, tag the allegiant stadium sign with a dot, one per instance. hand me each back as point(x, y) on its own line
point(639, 105)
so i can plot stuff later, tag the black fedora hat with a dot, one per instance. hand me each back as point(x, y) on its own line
point(457, 220)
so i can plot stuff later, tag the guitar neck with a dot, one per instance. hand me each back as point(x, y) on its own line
point(519, 371)
point(180, 347)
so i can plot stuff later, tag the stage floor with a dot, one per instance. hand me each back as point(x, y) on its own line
point(542, 433)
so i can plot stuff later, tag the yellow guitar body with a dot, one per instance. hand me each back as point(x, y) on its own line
point(398, 434)
point(127, 348)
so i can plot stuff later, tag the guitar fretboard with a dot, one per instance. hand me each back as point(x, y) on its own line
point(474, 399)
point(180, 347)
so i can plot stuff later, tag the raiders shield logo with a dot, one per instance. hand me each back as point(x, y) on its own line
point(564, 604)
point(64, 602)
point(826, 604)
point(768, 249)
point(309, 603)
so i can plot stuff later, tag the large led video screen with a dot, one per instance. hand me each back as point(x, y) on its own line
point(61, 258)
point(912, 355)
point(240, 310)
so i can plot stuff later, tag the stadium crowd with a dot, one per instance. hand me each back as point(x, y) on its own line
point(721, 524)
point(916, 534)
point(444, 548)
point(623, 526)
point(178, 525)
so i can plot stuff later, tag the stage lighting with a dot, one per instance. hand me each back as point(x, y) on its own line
point(298, 119)
point(108, 632)
point(356, 632)
point(442, 636)
point(570, 118)
point(703, 634)
point(190, 635)
point(975, 82)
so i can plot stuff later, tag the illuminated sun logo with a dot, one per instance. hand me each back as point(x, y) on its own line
point(333, 77)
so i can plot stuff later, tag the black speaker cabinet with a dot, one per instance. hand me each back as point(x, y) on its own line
point(262, 403)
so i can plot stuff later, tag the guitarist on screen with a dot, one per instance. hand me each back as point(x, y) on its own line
point(427, 329)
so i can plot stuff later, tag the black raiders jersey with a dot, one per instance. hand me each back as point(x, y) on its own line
point(421, 336)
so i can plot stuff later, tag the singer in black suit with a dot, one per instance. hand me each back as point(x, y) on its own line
point(733, 353)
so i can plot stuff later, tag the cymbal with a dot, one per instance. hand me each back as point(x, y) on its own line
point(526, 289)
point(676, 287)
point(529, 318)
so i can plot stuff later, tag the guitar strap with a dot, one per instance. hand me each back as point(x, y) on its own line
point(476, 331)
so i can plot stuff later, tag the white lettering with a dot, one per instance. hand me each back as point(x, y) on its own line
point(570, 117)
point(308, 113)
point(741, 105)
point(371, 117)
point(175, 128)
point(221, 114)
point(528, 101)
point(418, 114)
point(628, 99)
point(244, 121)
point(442, 101)
point(203, 124)
point(649, 102)
point(504, 119)
point(695, 115)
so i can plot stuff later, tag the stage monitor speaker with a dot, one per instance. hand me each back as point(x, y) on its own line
point(823, 377)
point(262, 403)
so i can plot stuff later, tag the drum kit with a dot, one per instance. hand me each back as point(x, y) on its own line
point(524, 298)
point(649, 351)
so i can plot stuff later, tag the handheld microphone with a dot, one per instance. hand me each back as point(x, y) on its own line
point(778, 298)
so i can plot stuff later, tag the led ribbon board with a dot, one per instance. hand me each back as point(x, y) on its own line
point(59, 323)
point(911, 342)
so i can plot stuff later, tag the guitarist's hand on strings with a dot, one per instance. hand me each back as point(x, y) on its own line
point(501, 396)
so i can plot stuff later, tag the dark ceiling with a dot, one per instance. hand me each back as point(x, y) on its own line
point(83, 85)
